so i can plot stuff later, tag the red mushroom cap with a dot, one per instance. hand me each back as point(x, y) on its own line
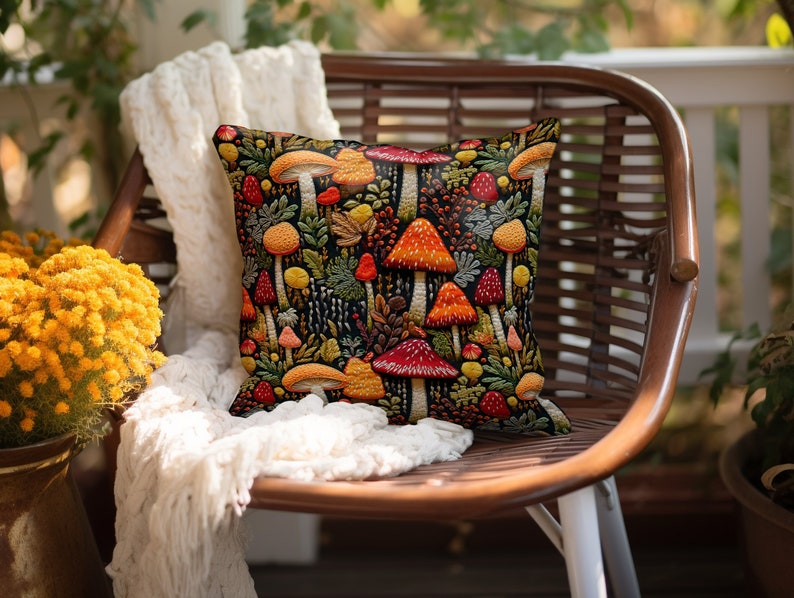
point(493, 403)
point(471, 351)
point(483, 187)
point(526, 129)
point(251, 191)
point(489, 289)
point(366, 268)
point(263, 393)
point(413, 358)
point(226, 133)
point(247, 347)
point(470, 144)
point(392, 153)
point(329, 197)
point(264, 294)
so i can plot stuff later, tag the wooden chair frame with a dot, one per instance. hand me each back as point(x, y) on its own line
point(615, 295)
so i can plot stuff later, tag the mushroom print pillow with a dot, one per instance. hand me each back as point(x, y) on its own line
point(400, 278)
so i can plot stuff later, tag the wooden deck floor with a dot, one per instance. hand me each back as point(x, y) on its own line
point(681, 573)
point(675, 556)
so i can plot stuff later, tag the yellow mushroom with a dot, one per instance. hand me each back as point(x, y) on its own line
point(521, 276)
point(471, 369)
point(228, 151)
point(465, 156)
point(296, 278)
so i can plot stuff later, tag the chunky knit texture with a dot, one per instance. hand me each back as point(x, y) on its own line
point(185, 465)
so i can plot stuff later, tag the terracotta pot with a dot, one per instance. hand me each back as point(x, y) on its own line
point(767, 528)
point(46, 545)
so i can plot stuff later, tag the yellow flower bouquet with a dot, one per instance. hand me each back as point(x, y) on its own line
point(77, 335)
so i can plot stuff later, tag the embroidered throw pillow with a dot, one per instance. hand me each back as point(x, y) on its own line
point(401, 278)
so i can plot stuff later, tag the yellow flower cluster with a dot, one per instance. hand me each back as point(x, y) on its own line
point(77, 331)
point(36, 247)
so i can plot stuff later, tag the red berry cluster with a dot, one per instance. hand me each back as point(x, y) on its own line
point(450, 209)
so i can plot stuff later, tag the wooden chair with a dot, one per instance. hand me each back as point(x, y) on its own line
point(613, 303)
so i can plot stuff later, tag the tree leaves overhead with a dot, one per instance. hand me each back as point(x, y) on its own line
point(494, 28)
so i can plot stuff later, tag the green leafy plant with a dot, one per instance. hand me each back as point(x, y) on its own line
point(770, 375)
point(492, 28)
point(497, 27)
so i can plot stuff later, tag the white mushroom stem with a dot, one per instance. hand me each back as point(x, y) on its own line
point(370, 304)
point(538, 191)
point(270, 324)
point(498, 330)
point(418, 400)
point(288, 358)
point(456, 341)
point(409, 194)
point(509, 281)
point(308, 196)
point(318, 390)
point(418, 308)
point(281, 292)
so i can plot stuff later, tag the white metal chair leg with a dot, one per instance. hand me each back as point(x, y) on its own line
point(615, 543)
point(581, 543)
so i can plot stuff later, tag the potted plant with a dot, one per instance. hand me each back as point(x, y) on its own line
point(758, 469)
point(77, 331)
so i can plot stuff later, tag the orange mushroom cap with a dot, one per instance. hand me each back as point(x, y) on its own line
point(513, 340)
point(529, 386)
point(353, 168)
point(452, 307)
point(527, 162)
point(363, 382)
point(288, 338)
point(247, 312)
point(281, 239)
point(511, 237)
point(288, 167)
point(420, 248)
point(308, 376)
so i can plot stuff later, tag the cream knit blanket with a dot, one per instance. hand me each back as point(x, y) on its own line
point(185, 465)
